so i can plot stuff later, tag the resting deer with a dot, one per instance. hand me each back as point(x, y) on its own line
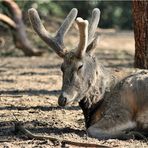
point(112, 104)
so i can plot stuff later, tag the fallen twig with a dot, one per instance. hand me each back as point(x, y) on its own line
point(19, 127)
point(11, 96)
point(5, 140)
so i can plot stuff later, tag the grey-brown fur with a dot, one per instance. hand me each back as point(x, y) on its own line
point(112, 102)
point(107, 102)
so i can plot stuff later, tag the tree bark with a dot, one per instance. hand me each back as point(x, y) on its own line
point(20, 38)
point(140, 18)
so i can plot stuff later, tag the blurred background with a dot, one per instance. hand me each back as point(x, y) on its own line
point(116, 14)
point(115, 24)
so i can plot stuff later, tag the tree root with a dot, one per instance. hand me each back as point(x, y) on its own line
point(18, 29)
point(19, 127)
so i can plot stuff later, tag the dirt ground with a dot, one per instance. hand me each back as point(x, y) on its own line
point(29, 88)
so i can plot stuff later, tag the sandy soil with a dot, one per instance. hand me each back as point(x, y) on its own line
point(29, 88)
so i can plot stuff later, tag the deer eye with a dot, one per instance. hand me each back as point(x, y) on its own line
point(80, 67)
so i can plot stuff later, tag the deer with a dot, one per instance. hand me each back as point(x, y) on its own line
point(114, 104)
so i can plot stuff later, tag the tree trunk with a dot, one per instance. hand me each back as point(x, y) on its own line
point(20, 38)
point(140, 18)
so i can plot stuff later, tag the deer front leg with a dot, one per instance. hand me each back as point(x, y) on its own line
point(115, 123)
point(116, 132)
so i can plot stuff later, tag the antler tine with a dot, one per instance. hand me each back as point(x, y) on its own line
point(83, 29)
point(55, 43)
point(93, 24)
point(66, 26)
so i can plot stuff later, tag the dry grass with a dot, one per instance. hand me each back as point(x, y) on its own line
point(29, 88)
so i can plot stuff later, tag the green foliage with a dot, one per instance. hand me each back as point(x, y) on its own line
point(113, 13)
point(45, 7)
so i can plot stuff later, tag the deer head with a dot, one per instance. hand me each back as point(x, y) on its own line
point(79, 66)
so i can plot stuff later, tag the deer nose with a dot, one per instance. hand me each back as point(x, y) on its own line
point(62, 100)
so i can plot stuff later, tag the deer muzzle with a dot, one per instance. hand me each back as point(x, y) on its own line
point(62, 101)
point(66, 98)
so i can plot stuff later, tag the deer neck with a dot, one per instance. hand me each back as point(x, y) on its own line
point(94, 97)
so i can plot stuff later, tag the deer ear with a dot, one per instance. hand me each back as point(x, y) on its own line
point(91, 47)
